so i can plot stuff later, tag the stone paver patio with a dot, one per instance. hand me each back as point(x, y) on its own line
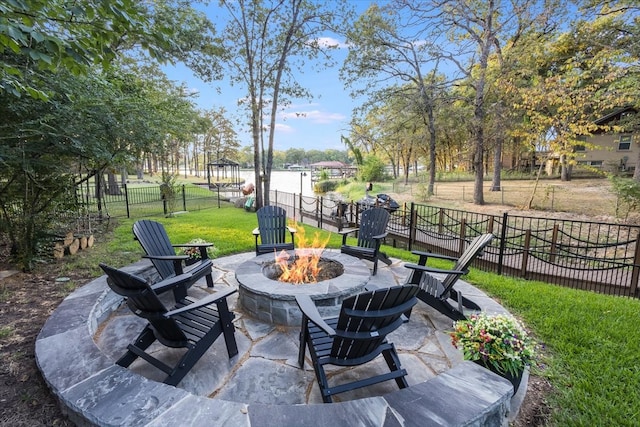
point(264, 378)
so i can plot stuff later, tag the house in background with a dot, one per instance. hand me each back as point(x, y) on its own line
point(611, 151)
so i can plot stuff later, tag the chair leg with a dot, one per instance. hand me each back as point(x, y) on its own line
point(184, 365)
point(304, 337)
point(375, 266)
point(209, 281)
point(144, 340)
point(323, 383)
point(228, 330)
point(393, 361)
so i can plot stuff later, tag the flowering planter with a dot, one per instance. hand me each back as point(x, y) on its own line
point(495, 340)
point(191, 261)
point(514, 380)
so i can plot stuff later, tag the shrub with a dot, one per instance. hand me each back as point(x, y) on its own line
point(628, 192)
point(325, 186)
point(372, 169)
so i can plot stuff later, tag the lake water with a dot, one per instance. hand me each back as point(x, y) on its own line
point(286, 181)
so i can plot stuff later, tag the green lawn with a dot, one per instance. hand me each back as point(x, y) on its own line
point(589, 343)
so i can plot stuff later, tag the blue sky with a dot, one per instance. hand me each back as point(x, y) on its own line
point(324, 118)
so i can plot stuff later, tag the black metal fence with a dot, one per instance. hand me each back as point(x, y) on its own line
point(135, 202)
point(600, 257)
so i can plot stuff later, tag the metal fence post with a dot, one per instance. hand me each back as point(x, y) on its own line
point(463, 236)
point(503, 241)
point(525, 253)
point(184, 199)
point(126, 200)
point(413, 224)
point(636, 268)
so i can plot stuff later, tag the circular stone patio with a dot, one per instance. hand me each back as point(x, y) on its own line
point(263, 385)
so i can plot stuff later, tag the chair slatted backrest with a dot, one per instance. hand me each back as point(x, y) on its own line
point(272, 223)
point(144, 302)
point(154, 240)
point(472, 251)
point(367, 318)
point(373, 222)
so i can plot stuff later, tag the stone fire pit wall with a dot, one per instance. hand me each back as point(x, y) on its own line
point(274, 302)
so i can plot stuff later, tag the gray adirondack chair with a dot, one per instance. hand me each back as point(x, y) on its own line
point(154, 240)
point(271, 233)
point(356, 336)
point(371, 232)
point(438, 293)
point(191, 324)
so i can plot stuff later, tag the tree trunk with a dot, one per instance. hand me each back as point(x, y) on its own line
point(497, 165)
point(432, 152)
point(113, 189)
point(565, 171)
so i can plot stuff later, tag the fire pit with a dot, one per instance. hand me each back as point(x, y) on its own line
point(265, 298)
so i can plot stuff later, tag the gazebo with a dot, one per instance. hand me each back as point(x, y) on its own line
point(224, 174)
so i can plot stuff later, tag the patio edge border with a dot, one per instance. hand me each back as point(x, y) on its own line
point(93, 391)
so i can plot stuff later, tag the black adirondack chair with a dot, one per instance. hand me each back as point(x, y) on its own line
point(191, 324)
point(158, 248)
point(272, 230)
point(356, 336)
point(438, 293)
point(371, 232)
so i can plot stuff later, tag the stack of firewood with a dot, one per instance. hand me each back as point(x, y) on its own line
point(71, 243)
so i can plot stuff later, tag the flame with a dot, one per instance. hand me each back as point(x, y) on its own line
point(304, 267)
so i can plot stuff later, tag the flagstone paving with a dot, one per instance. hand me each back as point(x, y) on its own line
point(266, 372)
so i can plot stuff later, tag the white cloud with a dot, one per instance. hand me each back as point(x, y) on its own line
point(282, 128)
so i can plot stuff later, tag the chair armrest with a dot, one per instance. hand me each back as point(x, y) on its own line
point(167, 257)
point(425, 255)
point(170, 283)
point(348, 230)
point(427, 269)
point(193, 245)
point(201, 246)
point(208, 300)
point(380, 236)
point(310, 310)
point(345, 232)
